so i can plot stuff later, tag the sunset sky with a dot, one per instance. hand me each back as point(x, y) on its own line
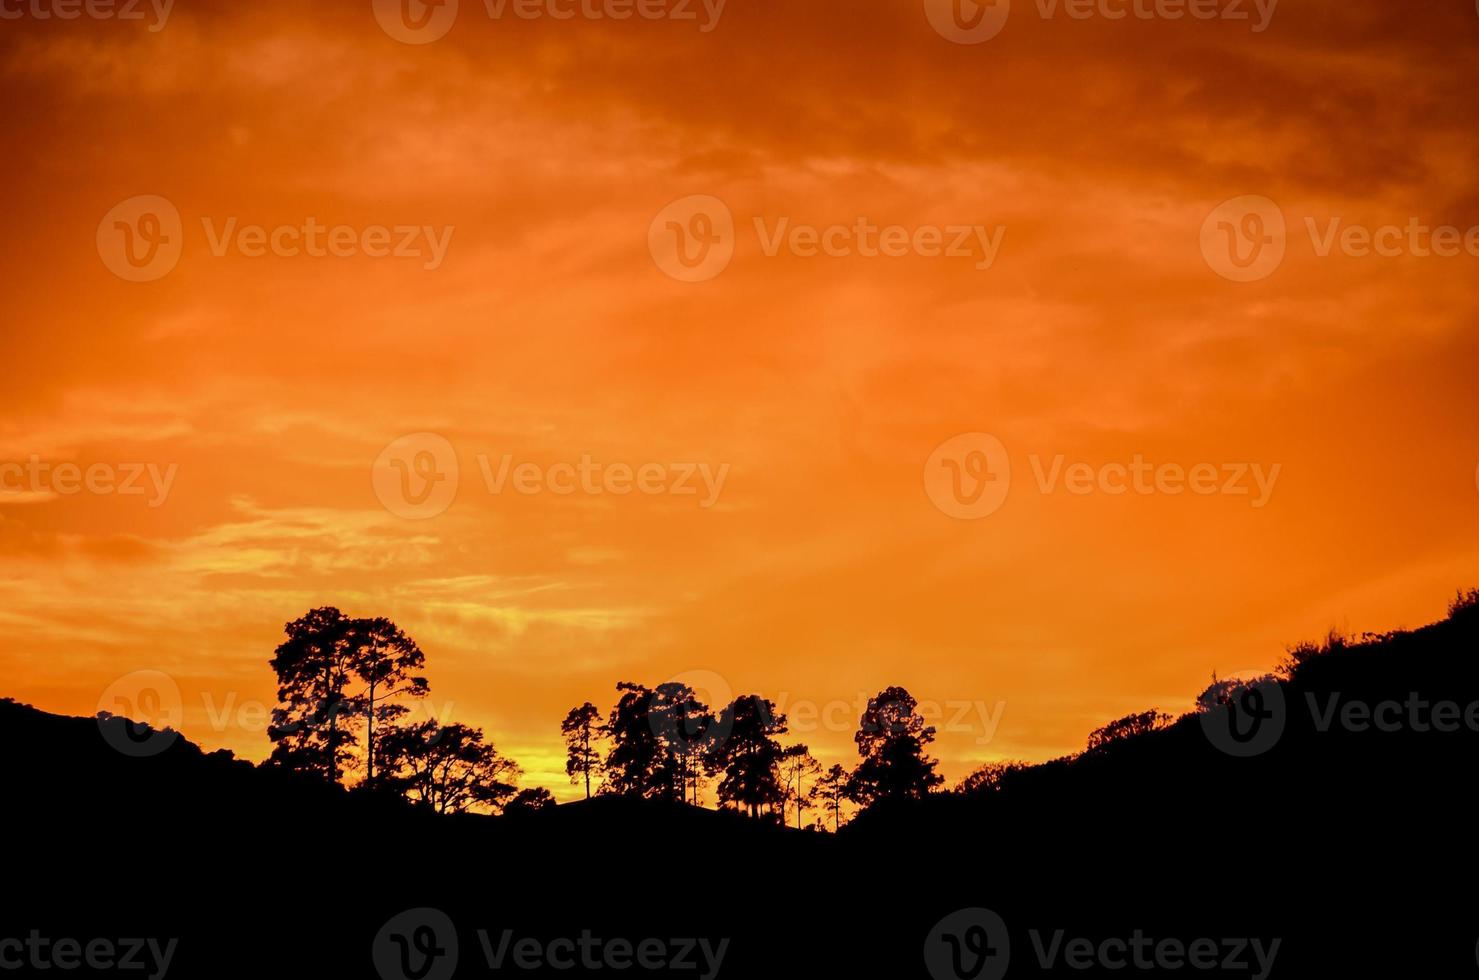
point(549, 327)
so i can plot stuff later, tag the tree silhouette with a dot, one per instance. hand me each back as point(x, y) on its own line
point(635, 751)
point(310, 727)
point(682, 724)
point(747, 754)
point(527, 801)
point(797, 764)
point(1223, 691)
point(891, 739)
point(1128, 727)
point(448, 768)
point(988, 778)
point(582, 728)
point(383, 657)
point(1465, 603)
point(832, 788)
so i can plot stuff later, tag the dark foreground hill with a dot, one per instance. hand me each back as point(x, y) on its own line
point(1320, 825)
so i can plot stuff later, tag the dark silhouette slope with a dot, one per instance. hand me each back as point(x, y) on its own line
point(1350, 843)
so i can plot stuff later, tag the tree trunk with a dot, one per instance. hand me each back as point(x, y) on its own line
point(333, 725)
point(370, 738)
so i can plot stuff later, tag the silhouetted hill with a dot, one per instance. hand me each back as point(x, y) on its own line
point(1351, 844)
point(1356, 730)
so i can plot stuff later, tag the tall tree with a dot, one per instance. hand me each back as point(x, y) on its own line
point(582, 728)
point(747, 756)
point(631, 763)
point(682, 724)
point(384, 658)
point(891, 739)
point(448, 768)
point(796, 766)
point(832, 788)
point(311, 725)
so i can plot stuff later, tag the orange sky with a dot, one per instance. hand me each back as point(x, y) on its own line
point(822, 571)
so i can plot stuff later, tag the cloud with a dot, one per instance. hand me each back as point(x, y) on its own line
point(823, 382)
